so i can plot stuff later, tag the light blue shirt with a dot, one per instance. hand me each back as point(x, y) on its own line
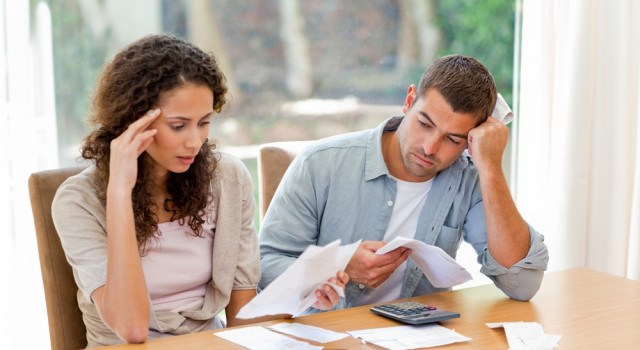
point(340, 187)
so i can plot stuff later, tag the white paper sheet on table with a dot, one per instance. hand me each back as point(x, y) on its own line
point(441, 269)
point(527, 336)
point(316, 334)
point(409, 337)
point(258, 338)
point(293, 291)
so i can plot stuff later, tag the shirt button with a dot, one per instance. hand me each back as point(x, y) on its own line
point(361, 286)
point(389, 203)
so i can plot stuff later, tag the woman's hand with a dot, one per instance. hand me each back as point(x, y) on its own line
point(126, 148)
point(327, 296)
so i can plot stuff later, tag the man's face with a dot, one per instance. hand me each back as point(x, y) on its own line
point(431, 136)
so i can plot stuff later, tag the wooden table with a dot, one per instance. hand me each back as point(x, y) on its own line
point(591, 310)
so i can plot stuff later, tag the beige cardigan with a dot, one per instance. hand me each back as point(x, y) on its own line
point(79, 217)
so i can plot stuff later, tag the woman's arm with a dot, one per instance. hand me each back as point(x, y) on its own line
point(123, 302)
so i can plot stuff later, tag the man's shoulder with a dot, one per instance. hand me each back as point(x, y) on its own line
point(328, 146)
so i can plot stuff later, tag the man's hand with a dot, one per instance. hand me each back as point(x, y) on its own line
point(327, 296)
point(370, 269)
point(487, 143)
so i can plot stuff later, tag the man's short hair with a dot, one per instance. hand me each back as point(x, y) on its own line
point(463, 82)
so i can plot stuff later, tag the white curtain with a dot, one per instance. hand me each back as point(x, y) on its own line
point(28, 143)
point(578, 131)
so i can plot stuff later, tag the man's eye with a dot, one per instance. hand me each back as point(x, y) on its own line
point(454, 141)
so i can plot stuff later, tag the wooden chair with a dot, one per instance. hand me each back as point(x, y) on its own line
point(66, 327)
point(273, 160)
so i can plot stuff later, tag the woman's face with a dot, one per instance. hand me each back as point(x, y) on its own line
point(183, 126)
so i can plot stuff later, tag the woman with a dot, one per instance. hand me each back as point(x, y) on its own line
point(160, 230)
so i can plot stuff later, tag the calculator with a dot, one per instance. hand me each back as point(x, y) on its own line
point(412, 312)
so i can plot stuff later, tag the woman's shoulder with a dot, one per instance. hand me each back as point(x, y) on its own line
point(79, 187)
point(79, 195)
point(229, 164)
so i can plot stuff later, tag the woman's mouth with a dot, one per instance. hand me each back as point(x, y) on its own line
point(186, 160)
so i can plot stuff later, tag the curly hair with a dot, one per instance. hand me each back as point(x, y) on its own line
point(132, 84)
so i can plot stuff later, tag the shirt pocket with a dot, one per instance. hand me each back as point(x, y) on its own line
point(449, 239)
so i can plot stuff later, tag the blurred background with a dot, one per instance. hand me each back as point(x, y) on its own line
point(297, 70)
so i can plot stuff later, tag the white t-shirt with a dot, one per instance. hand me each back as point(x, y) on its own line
point(177, 266)
point(410, 199)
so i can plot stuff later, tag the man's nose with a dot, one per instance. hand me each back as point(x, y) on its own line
point(431, 145)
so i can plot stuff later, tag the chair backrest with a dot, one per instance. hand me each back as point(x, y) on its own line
point(273, 160)
point(66, 328)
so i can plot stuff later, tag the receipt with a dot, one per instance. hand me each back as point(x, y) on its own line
point(502, 111)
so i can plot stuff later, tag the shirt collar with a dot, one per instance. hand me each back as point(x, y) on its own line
point(374, 163)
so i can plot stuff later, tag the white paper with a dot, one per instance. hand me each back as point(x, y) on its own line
point(502, 111)
point(316, 334)
point(258, 338)
point(293, 291)
point(527, 336)
point(409, 337)
point(440, 269)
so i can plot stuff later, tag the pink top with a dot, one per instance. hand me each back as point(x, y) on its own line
point(177, 266)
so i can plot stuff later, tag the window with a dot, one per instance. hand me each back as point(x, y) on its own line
point(296, 69)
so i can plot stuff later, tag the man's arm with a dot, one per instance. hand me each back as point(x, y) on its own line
point(290, 224)
point(507, 232)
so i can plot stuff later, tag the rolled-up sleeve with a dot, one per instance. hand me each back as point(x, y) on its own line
point(522, 280)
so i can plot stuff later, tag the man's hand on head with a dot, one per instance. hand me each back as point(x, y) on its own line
point(486, 144)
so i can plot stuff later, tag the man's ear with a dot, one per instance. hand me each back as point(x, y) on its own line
point(409, 99)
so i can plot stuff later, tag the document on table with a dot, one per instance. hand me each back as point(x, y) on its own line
point(527, 336)
point(316, 334)
point(293, 291)
point(258, 338)
point(441, 269)
point(409, 337)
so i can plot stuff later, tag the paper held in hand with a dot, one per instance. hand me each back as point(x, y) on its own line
point(293, 291)
point(502, 111)
point(440, 269)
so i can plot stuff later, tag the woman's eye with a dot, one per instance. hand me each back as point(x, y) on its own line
point(205, 122)
point(177, 127)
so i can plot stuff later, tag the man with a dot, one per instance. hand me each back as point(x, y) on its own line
point(410, 177)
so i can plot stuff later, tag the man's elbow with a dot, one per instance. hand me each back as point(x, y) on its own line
point(524, 285)
point(522, 295)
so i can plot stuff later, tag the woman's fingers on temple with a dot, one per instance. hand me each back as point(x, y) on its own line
point(146, 139)
point(142, 123)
